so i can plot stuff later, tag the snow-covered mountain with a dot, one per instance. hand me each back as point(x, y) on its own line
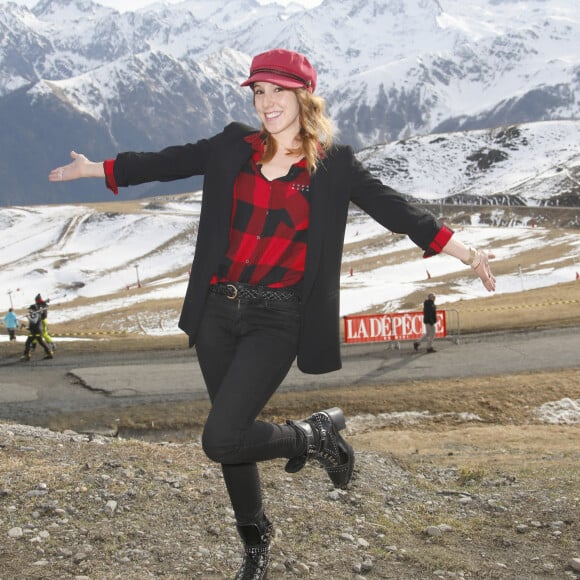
point(88, 258)
point(74, 74)
point(536, 164)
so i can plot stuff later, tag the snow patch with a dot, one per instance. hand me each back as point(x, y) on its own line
point(563, 412)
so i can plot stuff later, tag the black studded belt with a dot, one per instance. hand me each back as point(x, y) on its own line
point(241, 291)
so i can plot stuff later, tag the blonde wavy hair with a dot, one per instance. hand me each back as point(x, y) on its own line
point(316, 131)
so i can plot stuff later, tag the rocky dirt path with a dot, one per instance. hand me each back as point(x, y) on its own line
point(455, 478)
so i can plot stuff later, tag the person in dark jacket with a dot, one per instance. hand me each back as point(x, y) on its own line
point(35, 333)
point(264, 284)
point(43, 306)
point(429, 320)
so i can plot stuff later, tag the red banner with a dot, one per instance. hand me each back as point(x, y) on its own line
point(391, 326)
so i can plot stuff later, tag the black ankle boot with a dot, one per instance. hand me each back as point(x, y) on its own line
point(325, 445)
point(257, 539)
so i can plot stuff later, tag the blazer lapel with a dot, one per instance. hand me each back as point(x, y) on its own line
point(319, 214)
point(221, 197)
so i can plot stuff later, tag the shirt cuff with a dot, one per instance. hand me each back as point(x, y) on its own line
point(109, 166)
point(439, 242)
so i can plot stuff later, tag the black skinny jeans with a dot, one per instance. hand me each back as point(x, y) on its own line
point(245, 349)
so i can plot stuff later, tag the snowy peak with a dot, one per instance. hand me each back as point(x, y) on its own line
point(65, 11)
point(389, 70)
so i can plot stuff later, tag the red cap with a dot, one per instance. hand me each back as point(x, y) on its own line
point(284, 68)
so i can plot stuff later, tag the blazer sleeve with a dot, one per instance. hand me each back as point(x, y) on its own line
point(392, 210)
point(176, 162)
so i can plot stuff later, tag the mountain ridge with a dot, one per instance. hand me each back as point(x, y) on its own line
point(74, 74)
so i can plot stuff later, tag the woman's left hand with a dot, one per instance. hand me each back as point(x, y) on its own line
point(483, 269)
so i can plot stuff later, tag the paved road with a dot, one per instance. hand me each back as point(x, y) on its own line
point(74, 381)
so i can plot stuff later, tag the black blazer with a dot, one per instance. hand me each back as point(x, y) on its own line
point(338, 180)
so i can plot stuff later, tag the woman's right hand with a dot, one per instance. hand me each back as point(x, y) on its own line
point(79, 167)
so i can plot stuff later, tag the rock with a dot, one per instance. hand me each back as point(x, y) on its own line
point(41, 563)
point(367, 565)
point(37, 492)
point(111, 506)
point(434, 531)
point(302, 568)
point(15, 533)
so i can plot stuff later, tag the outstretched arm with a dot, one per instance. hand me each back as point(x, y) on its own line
point(78, 168)
point(477, 259)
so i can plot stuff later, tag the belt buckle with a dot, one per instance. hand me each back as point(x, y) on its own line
point(234, 290)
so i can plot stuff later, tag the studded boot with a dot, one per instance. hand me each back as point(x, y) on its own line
point(325, 445)
point(257, 539)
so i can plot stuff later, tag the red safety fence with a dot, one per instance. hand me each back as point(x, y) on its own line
point(390, 326)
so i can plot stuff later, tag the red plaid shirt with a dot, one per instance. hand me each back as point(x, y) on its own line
point(269, 225)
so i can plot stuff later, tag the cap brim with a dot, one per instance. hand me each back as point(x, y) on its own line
point(281, 81)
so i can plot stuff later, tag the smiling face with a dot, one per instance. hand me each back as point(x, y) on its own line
point(278, 109)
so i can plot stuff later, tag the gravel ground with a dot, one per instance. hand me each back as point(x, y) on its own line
point(472, 484)
point(91, 507)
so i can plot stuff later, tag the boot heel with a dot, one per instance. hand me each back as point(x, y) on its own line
point(336, 415)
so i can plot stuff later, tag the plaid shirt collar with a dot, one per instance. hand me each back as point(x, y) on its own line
point(258, 141)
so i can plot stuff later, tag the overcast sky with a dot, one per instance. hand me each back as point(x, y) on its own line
point(135, 4)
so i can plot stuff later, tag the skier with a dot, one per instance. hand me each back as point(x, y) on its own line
point(35, 333)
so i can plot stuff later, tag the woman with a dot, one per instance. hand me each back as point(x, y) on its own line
point(264, 284)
